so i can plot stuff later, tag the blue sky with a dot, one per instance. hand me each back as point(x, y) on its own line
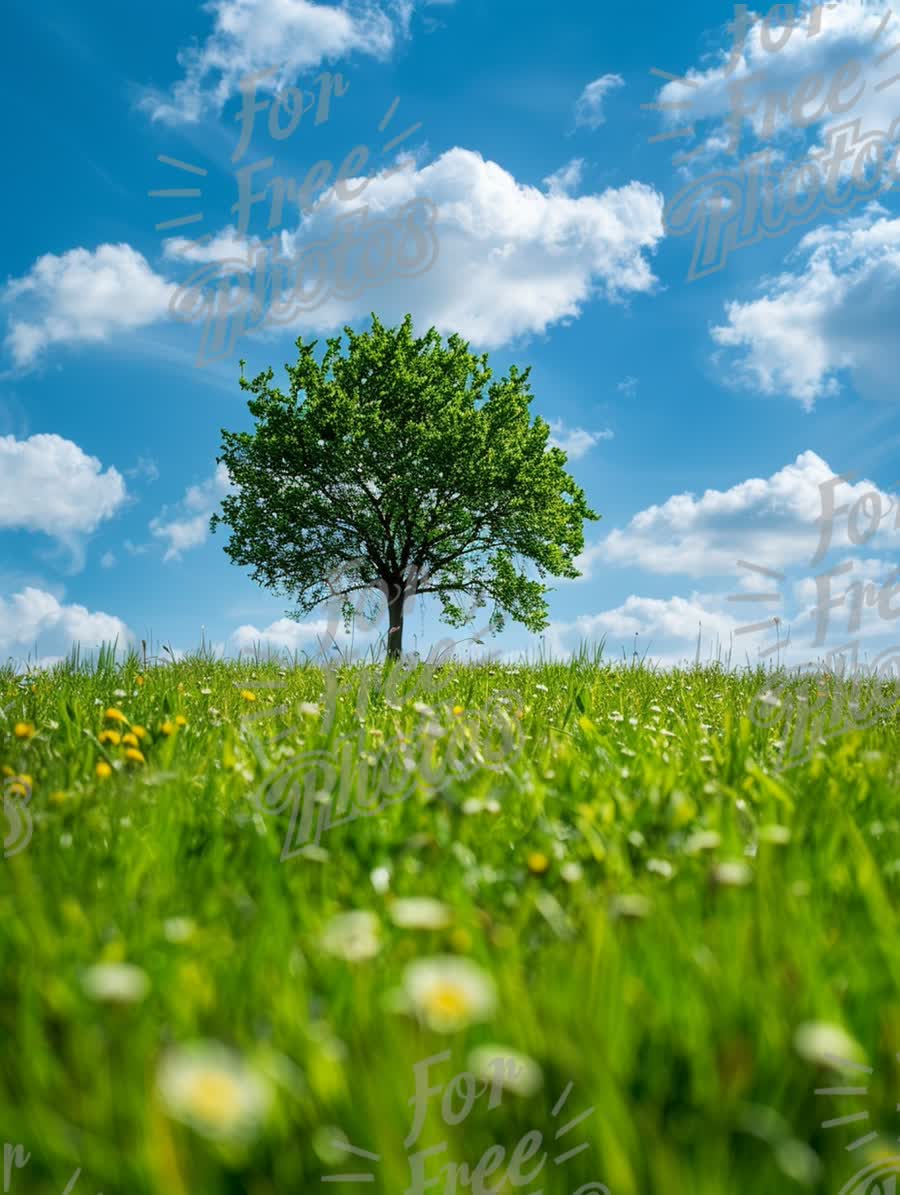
point(703, 415)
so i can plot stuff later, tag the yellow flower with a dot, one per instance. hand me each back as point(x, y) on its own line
point(24, 778)
point(59, 797)
point(7, 770)
point(110, 736)
point(209, 1087)
point(103, 770)
point(130, 740)
point(17, 789)
point(114, 715)
point(138, 680)
point(134, 755)
point(23, 730)
point(140, 731)
point(457, 710)
point(448, 993)
point(167, 728)
point(180, 720)
point(248, 695)
point(538, 863)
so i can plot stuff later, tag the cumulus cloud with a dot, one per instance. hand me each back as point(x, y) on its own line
point(589, 108)
point(575, 441)
point(508, 258)
point(297, 36)
point(565, 180)
point(756, 93)
point(34, 620)
point(666, 630)
point(82, 295)
point(505, 260)
point(48, 484)
point(833, 316)
point(772, 522)
point(188, 526)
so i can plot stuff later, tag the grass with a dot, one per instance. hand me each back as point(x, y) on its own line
point(602, 838)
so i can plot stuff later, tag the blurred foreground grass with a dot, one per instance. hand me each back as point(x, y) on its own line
point(639, 900)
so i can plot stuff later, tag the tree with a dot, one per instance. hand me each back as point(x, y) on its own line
point(403, 468)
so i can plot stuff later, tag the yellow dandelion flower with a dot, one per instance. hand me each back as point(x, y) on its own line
point(130, 740)
point(457, 710)
point(24, 778)
point(59, 797)
point(248, 695)
point(138, 680)
point(167, 728)
point(538, 863)
point(7, 770)
point(103, 770)
point(23, 730)
point(114, 715)
point(110, 736)
point(134, 755)
point(18, 789)
point(139, 731)
point(180, 720)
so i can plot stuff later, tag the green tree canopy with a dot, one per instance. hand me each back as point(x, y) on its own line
point(402, 467)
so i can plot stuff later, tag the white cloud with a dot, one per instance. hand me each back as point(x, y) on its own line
point(282, 635)
point(190, 525)
point(575, 440)
point(771, 522)
point(505, 259)
point(510, 259)
point(777, 85)
point(565, 180)
point(48, 484)
point(108, 560)
point(836, 312)
point(82, 295)
point(589, 108)
point(251, 36)
point(667, 630)
point(35, 620)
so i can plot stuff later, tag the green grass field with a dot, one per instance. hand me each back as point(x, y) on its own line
point(634, 894)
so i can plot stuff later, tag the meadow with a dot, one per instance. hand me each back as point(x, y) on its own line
point(601, 874)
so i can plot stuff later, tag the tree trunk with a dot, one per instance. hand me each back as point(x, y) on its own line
point(396, 602)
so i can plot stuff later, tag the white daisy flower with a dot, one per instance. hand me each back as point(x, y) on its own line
point(703, 840)
point(732, 873)
point(115, 983)
point(352, 936)
point(381, 879)
point(823, 1043)
point(420, 912)
point(449, 993)
point(508, 1068)
point(179, 929)
point(310, 708)
point(211, 1088)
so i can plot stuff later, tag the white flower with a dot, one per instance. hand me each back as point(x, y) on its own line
point(510, 1069)
point(310, 708)
point(449, 993)
point(661, 867)
point(703, 840)
point(821, 1042)
point(775, 834)
point(420, 913)
point(732, 874)
point(352, 936)
point(631, 906)
point(211, 1088)
point(421, 708)
point(381, 879)
point(179, 929)
point(115, 983)
point(571, 872)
